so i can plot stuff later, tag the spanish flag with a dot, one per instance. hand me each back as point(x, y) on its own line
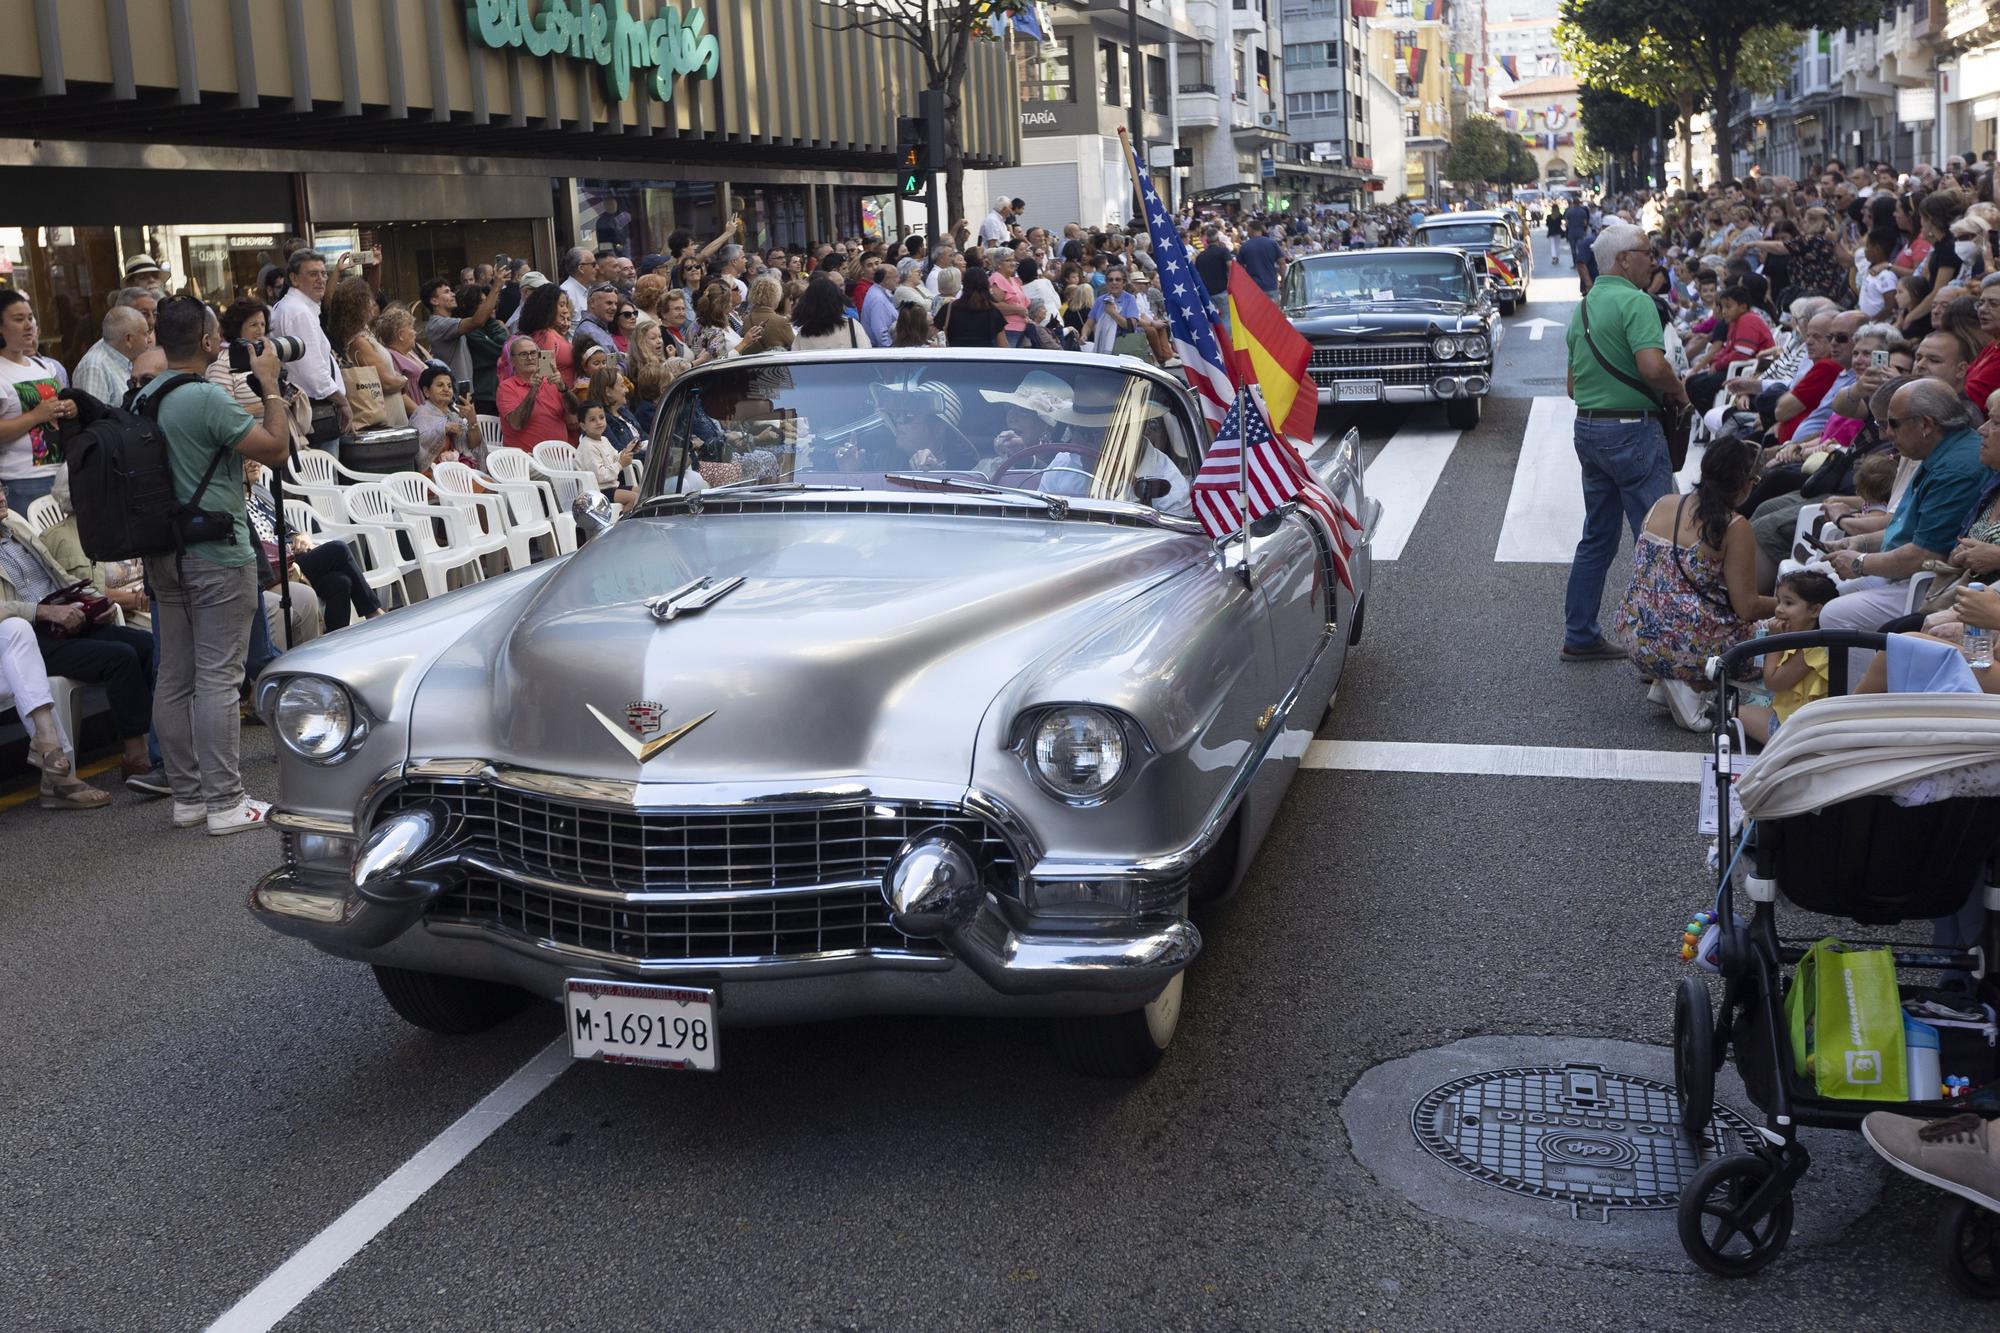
point(1500, 269)
point(1268, 352)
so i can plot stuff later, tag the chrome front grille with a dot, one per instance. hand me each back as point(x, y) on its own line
point(733, 930)
point(1386, 374)
point(711, 850)
point(1353, 355)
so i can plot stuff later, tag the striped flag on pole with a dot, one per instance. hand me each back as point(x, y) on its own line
point(1190, 315)
point(1250, 471)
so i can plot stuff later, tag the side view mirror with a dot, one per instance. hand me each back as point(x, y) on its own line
point(593, 513)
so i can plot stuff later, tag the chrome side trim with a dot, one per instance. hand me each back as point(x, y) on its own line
point(303, 823)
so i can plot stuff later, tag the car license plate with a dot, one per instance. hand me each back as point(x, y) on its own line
point(1356, 391)
point(630, 1023)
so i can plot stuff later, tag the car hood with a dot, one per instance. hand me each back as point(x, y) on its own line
point(860, 648)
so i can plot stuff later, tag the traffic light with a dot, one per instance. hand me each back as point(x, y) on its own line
point(913, 180)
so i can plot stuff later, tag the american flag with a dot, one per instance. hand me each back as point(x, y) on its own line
point(1248, 462)
point(1190, 315)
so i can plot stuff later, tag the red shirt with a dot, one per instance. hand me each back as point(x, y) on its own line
point(1812, 387)
point(1748, 336)
point(1983, 376)
point(545, 419)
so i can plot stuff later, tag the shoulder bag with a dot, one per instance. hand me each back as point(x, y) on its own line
point(1673, 420)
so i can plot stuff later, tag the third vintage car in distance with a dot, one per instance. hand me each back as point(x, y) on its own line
point(1396, 326)
point(1497, 244)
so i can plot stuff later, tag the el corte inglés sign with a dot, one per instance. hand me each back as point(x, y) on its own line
point(604, 32)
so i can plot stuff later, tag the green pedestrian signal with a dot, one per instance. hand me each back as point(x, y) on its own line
point(912, 181)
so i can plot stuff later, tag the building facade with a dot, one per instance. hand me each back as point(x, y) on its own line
point(1409, 45)
point(209, 134)
point(1544, 113)
point(1333, 144)
point(1232, 108)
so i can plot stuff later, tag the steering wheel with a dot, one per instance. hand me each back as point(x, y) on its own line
point(1088, 453)
point(1429, 291)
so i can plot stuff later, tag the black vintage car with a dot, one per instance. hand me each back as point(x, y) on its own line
point(1396, 326)
point(1497, 243)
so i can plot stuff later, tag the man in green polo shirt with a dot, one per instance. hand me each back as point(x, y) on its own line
point(1617, 387)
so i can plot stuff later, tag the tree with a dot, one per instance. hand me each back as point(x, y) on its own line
point(1725, 45)
point(941, 31)
point(1617, 125)
point(1521, 168)
point(1478, 151)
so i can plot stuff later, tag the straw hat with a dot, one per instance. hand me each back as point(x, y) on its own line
point(1039, 392)
point(1097, 403)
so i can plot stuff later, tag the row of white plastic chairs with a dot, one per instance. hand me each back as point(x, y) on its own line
point(456, 522)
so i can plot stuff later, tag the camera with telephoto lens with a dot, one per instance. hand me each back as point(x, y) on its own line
point(240, 351)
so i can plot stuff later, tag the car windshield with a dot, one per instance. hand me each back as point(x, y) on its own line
point(1379, 276)
point(1464, 233)
point(908, 421)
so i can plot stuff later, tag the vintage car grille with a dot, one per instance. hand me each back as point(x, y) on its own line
point(646, 851)
point(737, 929)
point(1355, 355)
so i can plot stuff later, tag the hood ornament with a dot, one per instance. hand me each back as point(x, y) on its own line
point(694, 595)
point(642, 718)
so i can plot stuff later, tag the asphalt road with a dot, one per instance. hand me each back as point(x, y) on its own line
point(189, 1099)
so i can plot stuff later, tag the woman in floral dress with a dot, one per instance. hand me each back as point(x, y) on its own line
point(1694, 581)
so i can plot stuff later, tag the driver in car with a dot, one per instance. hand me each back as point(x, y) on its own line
point(918, 428)
point(1030, 428)
point(1100, 419)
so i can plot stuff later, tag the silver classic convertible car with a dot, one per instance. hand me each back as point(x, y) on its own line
point(908, 684)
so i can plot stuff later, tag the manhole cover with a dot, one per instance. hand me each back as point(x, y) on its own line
point(1571, 1133)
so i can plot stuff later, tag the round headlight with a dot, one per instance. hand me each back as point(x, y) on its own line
point(1473, 346)
point(1078, 752)
point(315, 717)
point(1444, 347)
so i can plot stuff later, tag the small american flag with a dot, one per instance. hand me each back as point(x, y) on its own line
point(1249, 463)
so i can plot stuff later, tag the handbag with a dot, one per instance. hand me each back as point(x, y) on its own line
point(97, 610)
point(364, 396)
point(1846, 1019)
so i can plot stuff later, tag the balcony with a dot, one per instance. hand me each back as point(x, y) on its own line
point(1198, 106)
point(1965, 24)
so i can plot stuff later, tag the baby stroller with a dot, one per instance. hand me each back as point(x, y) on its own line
point(1866, 859)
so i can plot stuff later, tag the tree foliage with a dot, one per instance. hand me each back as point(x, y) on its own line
point(941, 32)
point(1662, 51)
point(1521, 168)
point(1478, 151)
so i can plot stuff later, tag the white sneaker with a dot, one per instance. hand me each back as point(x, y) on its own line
point(248, 814)
point(1685, 705)
point(1656, 694)
point(189, 816)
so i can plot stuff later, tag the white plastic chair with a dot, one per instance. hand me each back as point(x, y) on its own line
point(557, 461)
point(531, 499)
point(489, 433)
point(460, 485)
point(371, 505)
point(382, 564)
point(45, 513)
point(425, 510)
point(317, 467)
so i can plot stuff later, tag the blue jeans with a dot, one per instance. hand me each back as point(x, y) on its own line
point(1625, 469)
point(21, 494)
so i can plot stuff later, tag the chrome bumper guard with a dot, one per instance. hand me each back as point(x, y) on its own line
point(932, 890)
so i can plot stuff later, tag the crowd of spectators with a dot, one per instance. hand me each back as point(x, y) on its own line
point(1836, 338)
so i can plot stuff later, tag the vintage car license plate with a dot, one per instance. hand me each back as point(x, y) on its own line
point(630, 1023)
point(1356, 391)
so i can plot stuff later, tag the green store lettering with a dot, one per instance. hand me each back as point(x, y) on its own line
point(670, 44)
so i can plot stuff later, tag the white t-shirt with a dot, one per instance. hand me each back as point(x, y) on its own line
point(1041, 289)
point(1876, 291)
point(23, 387)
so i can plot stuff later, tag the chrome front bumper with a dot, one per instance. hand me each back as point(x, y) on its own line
point(1479, 376)
point(969, 952)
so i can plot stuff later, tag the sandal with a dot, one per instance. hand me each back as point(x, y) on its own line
point(70, 794)
point(53, 761)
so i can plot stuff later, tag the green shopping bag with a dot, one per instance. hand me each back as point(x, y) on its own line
point(1847, 1023)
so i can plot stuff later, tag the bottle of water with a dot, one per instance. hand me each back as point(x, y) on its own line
point(1978, 642)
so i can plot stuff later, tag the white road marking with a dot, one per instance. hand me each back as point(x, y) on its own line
point(1402, 478)
point(1545, 508)
point(1538, 325)
point(1515, 761)
point(302, 1274)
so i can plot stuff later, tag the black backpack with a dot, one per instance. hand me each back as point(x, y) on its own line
point(121, 481)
